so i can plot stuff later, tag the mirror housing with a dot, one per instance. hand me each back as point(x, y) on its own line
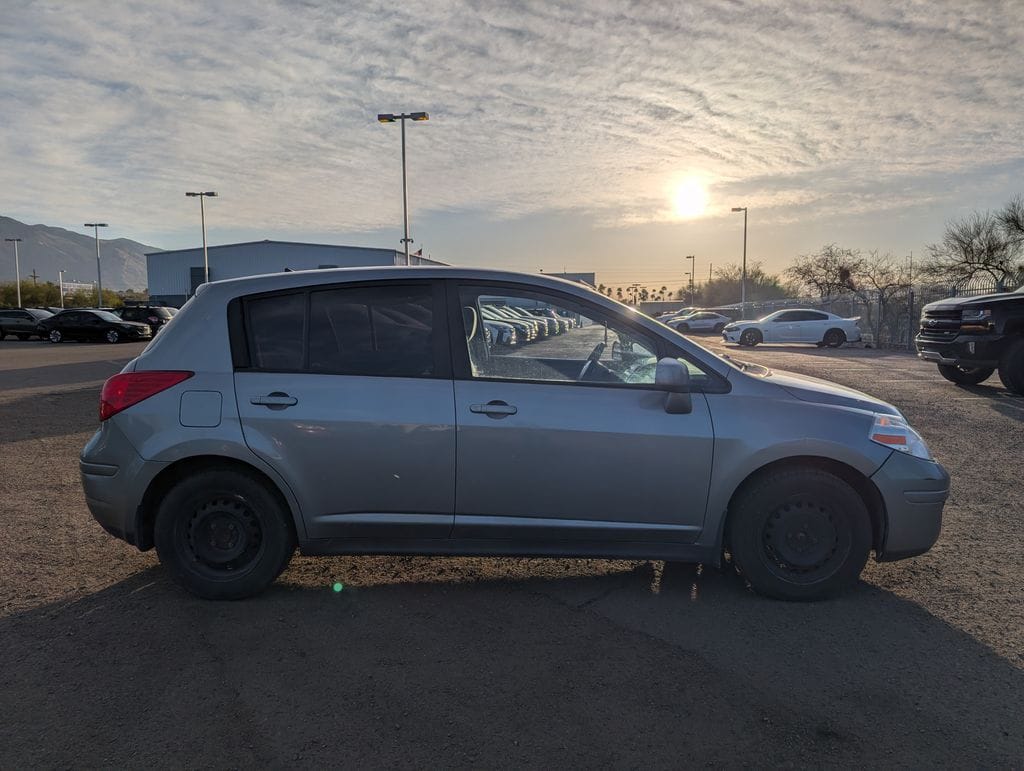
point(671, 375)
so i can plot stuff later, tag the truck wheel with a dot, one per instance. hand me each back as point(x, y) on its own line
point(222, 534)
point(965, 375)
point(1011, 367)
point(799, 534)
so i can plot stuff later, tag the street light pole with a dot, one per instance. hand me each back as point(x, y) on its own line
point(17, 267)
point(743, 284)
point(60, 279)
point(202, 217)
point(693, 268)
point(99, 273)
point(387, 117)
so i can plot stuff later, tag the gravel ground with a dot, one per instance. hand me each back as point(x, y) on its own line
point(500, 662)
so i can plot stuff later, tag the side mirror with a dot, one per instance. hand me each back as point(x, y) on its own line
point(671, 375)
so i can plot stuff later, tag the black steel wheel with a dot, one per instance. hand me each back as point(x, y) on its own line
point(223, 534)
point(751, 337)
point(965, 375)
point(799, 534)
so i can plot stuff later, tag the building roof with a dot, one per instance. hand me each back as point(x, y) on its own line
point(268, 241)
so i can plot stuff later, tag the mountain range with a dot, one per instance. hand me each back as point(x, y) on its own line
point(46, 250)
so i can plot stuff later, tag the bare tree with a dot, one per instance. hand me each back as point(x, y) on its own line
point(880, 279)
point(981, 244)
point(830, 271)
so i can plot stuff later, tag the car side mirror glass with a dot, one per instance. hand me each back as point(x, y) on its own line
point(671, 375)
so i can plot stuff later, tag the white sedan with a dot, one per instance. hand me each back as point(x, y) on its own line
point(701, 321)
point(794, 326)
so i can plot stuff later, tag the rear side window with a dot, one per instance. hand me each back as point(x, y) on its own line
point(276, 331)
point(388, 330)
point(372, 331)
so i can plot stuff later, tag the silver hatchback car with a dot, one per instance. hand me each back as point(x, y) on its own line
point(367, 411)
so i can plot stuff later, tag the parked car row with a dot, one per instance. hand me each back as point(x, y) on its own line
point(110, 324)
point(511, 325)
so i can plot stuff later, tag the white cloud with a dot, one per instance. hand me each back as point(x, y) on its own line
point(115, 109)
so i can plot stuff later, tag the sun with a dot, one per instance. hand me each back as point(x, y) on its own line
point(689, 199)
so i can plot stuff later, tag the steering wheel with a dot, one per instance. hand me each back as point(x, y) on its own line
point(593, 357)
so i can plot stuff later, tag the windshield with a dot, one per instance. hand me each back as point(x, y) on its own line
point(108, 316)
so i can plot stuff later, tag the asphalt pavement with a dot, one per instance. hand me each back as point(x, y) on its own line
point(431, 662)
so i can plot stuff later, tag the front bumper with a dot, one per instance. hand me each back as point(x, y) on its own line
point(970, 350)
point(731, 335)
point(914, 492)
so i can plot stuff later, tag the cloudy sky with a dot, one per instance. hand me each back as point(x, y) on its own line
point(609, 135)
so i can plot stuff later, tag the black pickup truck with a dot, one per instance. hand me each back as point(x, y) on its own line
point(971, 337)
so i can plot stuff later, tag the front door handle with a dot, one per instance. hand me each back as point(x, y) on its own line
point(494, 409)
point(274, 399)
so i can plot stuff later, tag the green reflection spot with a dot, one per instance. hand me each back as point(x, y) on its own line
point(338, 586)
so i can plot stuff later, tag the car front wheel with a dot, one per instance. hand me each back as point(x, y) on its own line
point(799, 534)
point(223, 534)
point(113, 336)
point(56, 336)
point(965, 375)
point(750, 337)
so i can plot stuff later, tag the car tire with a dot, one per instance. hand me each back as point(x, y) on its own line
point(718, 328)
point(1011, 367)
point(751, 337)
point(223, 534)
point(112, 336)
point(834, 338)
point(965, 375)
point(682, 328)
point(799, 534)
point(56, 336)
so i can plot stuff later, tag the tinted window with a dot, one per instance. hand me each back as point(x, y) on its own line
point(813, 316)
point(788, 316)
point(275, 331)
point(372, 331)
point(40, 314)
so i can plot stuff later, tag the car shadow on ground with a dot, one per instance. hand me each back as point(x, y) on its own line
point(647, 663)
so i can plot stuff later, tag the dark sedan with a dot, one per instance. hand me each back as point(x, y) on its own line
point(93, 325)
point(23, 323)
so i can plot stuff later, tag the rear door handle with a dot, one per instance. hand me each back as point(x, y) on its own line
point(275, 399)
point(495, 409)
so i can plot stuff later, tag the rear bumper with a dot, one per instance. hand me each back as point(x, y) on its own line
point(114, 479)
point(914, 492)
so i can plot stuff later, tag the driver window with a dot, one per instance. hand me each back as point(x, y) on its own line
point(532, 336)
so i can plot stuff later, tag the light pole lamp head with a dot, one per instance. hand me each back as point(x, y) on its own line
point(739, 208)
point(15, 240)
point(95, 225)
point(419, 116)
point(386, 117)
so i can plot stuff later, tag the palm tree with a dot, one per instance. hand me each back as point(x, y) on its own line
point(618, 292)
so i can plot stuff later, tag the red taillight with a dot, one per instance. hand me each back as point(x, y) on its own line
point(122, 391)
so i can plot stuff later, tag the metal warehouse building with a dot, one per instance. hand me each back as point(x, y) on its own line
point(174, 275)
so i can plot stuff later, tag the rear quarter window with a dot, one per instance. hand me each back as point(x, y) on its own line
point(275, 326)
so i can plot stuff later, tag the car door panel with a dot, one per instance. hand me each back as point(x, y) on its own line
point(580, 462)
point(365, 456)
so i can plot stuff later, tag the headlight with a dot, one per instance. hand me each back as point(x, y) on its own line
point(976, 314)
point(893, 432)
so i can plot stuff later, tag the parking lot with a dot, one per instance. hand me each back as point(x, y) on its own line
point(504, 662)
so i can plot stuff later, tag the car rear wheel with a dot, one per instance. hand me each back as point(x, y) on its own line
point(1011, 367)
point(56, 336)
point(223, 535)
point(718, 327)
point(751, 337)
point(965, 375)
point(834, 338)
point(799, 534)
point(112, 336)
